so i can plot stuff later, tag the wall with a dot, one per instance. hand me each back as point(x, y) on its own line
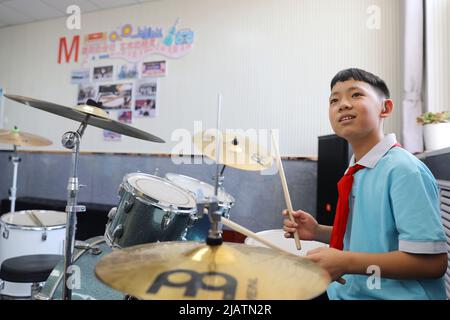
point(271, 59)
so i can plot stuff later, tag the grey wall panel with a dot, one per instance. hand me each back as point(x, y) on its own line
point(259, 198)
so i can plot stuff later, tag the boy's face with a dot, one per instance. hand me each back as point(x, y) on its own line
point(355, 110)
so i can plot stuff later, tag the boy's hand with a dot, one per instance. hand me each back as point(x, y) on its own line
point(332, 260)
point(305, 224)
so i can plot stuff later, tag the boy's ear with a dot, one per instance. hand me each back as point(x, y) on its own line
point(388, 107)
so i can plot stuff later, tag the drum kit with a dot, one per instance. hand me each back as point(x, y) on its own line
point(152, 236)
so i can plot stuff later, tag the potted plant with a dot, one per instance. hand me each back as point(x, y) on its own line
point(436, 129)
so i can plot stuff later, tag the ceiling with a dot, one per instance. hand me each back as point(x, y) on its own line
point(15, 12)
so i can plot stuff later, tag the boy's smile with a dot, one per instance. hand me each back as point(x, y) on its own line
point(346, 118)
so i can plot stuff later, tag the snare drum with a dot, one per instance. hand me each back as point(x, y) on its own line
point(150, 209)
point(277, 237)
point(29, 232)
point(87, 286)
point(203, 194)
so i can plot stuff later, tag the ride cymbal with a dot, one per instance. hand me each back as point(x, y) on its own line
point(194, 270)
point(19, 138)
point(236, 151)
point(88, 114)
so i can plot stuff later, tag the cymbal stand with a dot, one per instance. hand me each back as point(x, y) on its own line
point(12, 191)
point(215, 232)
point(71, 140)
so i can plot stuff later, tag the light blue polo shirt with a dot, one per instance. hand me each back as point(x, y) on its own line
point(394, 206)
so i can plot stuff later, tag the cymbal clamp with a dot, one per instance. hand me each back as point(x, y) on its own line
point(215, 232)
point(70, 139)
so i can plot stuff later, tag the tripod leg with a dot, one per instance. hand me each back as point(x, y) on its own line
point(15, 161)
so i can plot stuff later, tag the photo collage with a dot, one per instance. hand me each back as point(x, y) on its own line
point(125, 90)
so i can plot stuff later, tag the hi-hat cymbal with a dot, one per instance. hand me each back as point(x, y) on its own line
point(19, 138)
point(193, 270)
point(91, 115)
point(237, 151)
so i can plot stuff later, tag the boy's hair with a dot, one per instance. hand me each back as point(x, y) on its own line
point(360, 75)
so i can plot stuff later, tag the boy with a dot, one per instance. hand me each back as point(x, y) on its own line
point(387, 219)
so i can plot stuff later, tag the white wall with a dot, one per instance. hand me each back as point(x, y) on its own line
point(438, 55)
point(271, 59)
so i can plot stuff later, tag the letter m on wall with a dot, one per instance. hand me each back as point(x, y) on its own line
point(75, 46)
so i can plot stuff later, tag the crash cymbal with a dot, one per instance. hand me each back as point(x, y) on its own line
point(193, 270)
point(91, 115)
point(237, 151)
point(19, 138)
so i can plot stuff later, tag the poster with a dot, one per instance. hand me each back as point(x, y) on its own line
point(104, 73)
point(115, 96)
point(154, 69)
point(80, 76)
point(127, 71)
point(111, 135)
point(145, 104)
point(125, 116)
point(85, 92)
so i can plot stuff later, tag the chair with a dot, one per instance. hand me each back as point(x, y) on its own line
point(29, 269)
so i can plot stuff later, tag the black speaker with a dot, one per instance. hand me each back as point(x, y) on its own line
point(333, 160)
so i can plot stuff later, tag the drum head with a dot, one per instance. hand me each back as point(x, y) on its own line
point(160, 191)
point(203, 191)
point(25, 218)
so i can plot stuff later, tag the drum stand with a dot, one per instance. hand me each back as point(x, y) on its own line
point(215, 232)
point(71, 140)
point(12, 191)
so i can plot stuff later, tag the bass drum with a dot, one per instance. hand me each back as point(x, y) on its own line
point(86, 286)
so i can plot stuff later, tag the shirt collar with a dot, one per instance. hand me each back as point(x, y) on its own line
point(372, 157)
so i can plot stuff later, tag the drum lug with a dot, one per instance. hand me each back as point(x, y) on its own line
point(121, 190)
point(83, 245)
point(128, 205)
point(44, 235)
point(95, 250)
point(75, 208)
point(112, 213)
point(192, 219)
point(167, 218)
point(5, 233)
point(118, 231)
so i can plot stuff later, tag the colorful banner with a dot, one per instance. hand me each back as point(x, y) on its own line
point(136, 43)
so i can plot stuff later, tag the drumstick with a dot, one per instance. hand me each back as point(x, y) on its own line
point(287, 198)
point(248, 233)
